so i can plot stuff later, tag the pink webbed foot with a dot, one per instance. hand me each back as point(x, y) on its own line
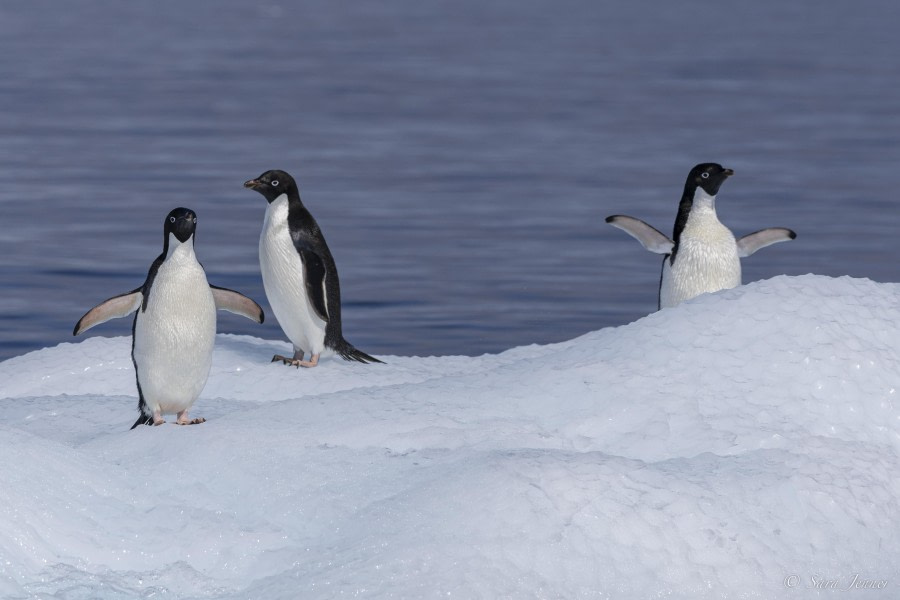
point(308, 363)
point(183, 419)
point(297, 360)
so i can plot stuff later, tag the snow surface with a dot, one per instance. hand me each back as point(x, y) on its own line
point(712, 450)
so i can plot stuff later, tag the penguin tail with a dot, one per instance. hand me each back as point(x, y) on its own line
point(143, 420)
point(346, 351)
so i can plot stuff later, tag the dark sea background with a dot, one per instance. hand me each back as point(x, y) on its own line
point(459, 156)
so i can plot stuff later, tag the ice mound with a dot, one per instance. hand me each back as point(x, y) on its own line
point(745, 444)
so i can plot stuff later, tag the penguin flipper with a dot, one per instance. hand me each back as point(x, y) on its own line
point(314, 279)
point(752, 242)
point(237, 303)
point(117, 306)
point(649, 237)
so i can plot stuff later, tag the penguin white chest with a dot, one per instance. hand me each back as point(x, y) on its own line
point(175, 335)
point(706, 260)
point(283, 280)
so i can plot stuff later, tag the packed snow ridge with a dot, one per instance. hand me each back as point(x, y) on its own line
point(742, 445)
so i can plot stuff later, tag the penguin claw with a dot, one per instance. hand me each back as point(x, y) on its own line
point(302, 363)
point(285, 360)
point(195, 421)
point(295, 362)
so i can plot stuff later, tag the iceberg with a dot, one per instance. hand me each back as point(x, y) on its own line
point(745, 444)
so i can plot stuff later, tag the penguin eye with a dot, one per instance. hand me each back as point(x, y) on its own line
point(275, 183)
point(171, 219)
point(195, 220)
point(704, 175)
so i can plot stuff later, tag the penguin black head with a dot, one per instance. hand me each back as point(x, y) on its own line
point(273, 184)
point(708, 176)
point(181, 222)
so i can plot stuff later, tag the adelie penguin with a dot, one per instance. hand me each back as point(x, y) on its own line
point(299, 275)
point(174, 330)
point(703, 255)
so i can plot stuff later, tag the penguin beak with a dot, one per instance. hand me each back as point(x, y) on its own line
point(726, 172)
point(251, 184)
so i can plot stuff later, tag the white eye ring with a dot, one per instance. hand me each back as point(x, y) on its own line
point(195, 220)
point(704, 175)
point(171, 219)
point(275, 183)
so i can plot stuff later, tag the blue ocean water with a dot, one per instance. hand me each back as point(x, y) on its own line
point(459, 156)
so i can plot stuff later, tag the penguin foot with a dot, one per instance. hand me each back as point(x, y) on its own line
point(314, 360)
point(283, 359)
point(157, 422)
point(297, 361)
point(183, 419)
